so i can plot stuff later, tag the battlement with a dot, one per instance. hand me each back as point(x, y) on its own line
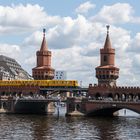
point(95, 86)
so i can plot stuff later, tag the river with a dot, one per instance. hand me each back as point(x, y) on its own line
point(54, 127)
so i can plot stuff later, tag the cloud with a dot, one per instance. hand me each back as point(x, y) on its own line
point(117, 13)
point(10, 50)
point(23, 18)
point(33, 40)
point(65, 34)
point(85, 7)
point(135, 44)
point(92, 49)
point(77, 66)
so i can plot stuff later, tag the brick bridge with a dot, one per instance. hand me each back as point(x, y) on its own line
point(105, 100)
point(90, 107)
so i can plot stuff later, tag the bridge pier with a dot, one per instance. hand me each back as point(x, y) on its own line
point(50, 108)
point(74, 107)
point(26, 106)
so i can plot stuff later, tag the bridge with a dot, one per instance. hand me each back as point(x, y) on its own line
point(32, 99)
point(105, 100)
point(27, 105)
point(90, 107)
point(97, 100)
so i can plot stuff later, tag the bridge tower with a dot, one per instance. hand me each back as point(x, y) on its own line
point(107, 73)
point(43, 70)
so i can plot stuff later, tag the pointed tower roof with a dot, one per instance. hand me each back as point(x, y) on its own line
point(44, 46)
point(107, 44)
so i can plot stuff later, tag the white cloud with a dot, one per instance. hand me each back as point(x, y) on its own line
point(10, 50)
point(23, 18)
point(33, 40)
point(116, 13)
point(85, 7)
point(77, 66)
point(135, 44)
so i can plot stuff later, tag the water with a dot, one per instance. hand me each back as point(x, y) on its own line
point(42, 127)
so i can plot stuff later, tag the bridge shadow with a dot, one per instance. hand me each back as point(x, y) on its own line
point(110, 111)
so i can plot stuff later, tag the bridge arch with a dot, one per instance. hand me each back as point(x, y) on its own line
point(97, 96)
point(130, 96)
point(110, 95)
point(123, 96)
point(116, 96)
point(106, 108)
point(138, 96)
point(103, 112)
point(109, 111)
point(2, 93)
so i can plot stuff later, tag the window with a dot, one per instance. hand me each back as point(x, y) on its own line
point(105, 58)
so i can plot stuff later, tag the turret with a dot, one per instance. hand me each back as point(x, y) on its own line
point(43, 68)
point(107, 73)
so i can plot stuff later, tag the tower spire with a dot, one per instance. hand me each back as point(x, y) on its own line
point(107, 73)
point(107, 44)
point(44, 32)
point(107, 26)
point(43, 69)
point(44, 46)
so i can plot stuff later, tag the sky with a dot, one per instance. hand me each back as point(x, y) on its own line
point(75, 32)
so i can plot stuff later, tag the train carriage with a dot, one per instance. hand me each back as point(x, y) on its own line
point(40, 83)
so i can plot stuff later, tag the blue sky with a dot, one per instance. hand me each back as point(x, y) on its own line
point(75, 33)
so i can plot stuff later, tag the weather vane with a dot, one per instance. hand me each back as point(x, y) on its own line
point(44, 31)
point(107, 26)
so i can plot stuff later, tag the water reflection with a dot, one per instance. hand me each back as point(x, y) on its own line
point(68, 128)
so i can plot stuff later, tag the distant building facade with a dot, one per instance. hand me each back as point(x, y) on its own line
point(43, 70)
point(11, 70)
point(60, 75)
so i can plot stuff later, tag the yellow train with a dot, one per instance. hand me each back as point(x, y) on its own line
point(40, 83)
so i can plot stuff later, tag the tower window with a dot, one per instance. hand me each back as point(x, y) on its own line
point(105, 58)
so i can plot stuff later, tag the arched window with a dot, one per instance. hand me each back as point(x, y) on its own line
point(105, 58)
point(97, 96)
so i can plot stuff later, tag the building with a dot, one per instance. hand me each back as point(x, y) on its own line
point(105, 97)
point(60, 75)
point(107, 73)
point(11, 70)
point(43, 69)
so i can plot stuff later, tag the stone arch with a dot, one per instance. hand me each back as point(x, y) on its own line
point(2, 93)
point(138, 96)
point(103, 111)
point(135, 97)
point(97, 96)
point(117, 97)
point(14, 93)
point(110, 96)
point(31, 93)
point(123, 96)
point(109, 111)
point(130, 96)
point(4, 105)
point(78, 107)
